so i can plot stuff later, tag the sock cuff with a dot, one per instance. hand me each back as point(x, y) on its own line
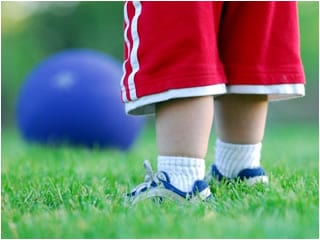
point(172, 161)
point(256, 146)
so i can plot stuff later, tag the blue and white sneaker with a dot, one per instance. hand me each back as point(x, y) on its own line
point(250, 176)
point(157, 186)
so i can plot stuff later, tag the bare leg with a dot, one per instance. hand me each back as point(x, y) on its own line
point(183, 126)
point(240, 119)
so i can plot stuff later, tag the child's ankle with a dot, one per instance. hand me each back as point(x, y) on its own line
point(182, 171)
point(230, 158)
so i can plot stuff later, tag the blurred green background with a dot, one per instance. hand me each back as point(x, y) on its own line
point(31, 31)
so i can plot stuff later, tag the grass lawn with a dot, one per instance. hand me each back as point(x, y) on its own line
point(76, 193)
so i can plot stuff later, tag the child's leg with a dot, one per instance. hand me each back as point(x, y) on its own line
point(240, 123)
point(172, 68)
point(260, 68)
point(183, 128)
point(240, 118)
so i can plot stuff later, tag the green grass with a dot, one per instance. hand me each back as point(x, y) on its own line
point(76, 193)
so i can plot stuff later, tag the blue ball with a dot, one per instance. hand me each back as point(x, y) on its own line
point(74, 97)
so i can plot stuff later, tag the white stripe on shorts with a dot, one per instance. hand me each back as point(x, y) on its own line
point(134, 53)
point(126, 19)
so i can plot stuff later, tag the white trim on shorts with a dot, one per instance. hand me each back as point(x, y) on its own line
point(275, 92)
point(146, 105)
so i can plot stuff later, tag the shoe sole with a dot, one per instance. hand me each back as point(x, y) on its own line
point(256, 180)
point(163, 193)
point(249, 181)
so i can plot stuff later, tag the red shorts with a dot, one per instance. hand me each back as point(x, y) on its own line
point(188, 49)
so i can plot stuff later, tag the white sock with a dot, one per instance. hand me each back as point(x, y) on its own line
point(230, 158)
point(183, 171)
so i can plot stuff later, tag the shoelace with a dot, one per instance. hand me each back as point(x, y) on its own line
point(150, 178)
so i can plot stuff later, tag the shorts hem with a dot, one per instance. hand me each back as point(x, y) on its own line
point(275, 92)
point(146, 104)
